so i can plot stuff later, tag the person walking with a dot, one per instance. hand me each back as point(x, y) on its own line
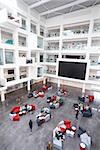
point(30, 125)
point(77, 113)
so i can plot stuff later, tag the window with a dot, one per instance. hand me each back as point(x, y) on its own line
point(1, 57)
point(40, 42)
point(21, 41)
point(9, 57)
point(33, 28)
point(41, 31)
point(23, 21)
point(10, 79)
point(41, 58)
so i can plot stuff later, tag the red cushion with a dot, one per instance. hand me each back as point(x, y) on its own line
point(62, 129)
point(67, 124)
point(91, 98)
point(33, 106)
point(16, 118)
point(16, 109)
point(41, 95)
point(54, 97)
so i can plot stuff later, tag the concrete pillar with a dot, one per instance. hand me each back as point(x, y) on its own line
point(58, 83)
point(28, 85)
point(2, 96)
point(44, 80)
point(83, 89)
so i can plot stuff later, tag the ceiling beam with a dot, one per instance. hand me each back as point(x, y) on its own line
point(82, 6)
point(41, 2)
point(77, 2)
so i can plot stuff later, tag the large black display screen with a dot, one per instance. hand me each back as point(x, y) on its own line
point(76, 70)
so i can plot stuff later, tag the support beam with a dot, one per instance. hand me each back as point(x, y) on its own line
point(39, 3)
point(28, 86)
point(82, 6)
point(2, 96)
point(77, 2)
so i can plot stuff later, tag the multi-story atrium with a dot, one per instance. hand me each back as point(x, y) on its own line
point(50, 57)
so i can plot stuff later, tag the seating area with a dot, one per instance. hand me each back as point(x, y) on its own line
point(66, 129)
point(62, 92)
point(39, 92)
point(84, 109)
point(18, 111)
point(51, 98)
point(63, 129)
point(56, 103)
point(84, 138)
point(86, 98)
point(43, 116)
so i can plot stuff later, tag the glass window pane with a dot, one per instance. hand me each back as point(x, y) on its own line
point(9, 57)
point(1, 57)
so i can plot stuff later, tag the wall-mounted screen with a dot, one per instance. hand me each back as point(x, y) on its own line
point(76, 70)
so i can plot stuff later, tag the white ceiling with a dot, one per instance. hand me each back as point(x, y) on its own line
point(51, 8)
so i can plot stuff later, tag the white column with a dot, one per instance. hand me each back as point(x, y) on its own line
point(0, 35)
point(60, 42)
point(90, 32)
point(58, 83)
point(83, 89)
point(38, 57)
point(2, 96)
point(38, 27)
point(16, 53)
point(44, 80)
point(28, 85)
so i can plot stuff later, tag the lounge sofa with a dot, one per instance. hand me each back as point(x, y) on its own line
point(80, 131)
point(18, 111)
point(51, 98)
point(86, 139)
point(59, 133)
point(43, 116)
point(56, 104)
point(87, 113)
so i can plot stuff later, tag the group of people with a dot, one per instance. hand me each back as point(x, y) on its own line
point(80, 108)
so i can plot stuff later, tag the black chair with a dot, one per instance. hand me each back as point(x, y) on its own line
point(87, 113)
point(82, 99)
point(80, 131)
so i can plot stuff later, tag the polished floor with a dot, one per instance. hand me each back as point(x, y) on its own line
point(17, 136)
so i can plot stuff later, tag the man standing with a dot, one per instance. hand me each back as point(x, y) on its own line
point(30, 125)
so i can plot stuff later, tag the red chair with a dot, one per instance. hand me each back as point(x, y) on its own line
point(91, 98)
point(33, 106)
point(16, 118)
point(16, 109)
point(67, 124)
point(54, 97)
point(62, 130)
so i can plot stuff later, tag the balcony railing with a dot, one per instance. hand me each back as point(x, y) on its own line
point(24, 61)
point(8, 19)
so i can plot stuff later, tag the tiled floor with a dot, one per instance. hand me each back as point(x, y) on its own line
point(17, 136)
